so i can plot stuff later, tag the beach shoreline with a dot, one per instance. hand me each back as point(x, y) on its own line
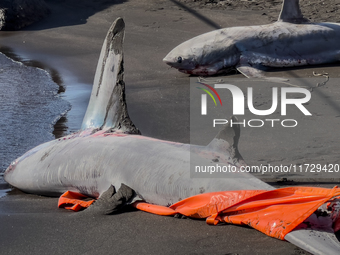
point(59, 127)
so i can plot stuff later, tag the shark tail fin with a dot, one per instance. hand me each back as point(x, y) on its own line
point(291, 12)
point(227, 140)
point(107, 108)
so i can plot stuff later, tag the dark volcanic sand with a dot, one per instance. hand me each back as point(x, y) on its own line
point(315, 10)
point(70, 41)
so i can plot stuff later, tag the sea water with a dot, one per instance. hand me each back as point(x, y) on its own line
point(29, 107)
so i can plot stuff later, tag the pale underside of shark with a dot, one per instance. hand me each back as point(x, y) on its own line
point(291, 41)
point(109, 150)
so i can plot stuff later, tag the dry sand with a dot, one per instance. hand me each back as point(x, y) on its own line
point(315, 10)
point(69, 41)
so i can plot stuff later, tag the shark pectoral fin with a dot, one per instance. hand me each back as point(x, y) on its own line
point(277, 80)
point(291, 12)
point(256, 72)
point(107, 108)
point(250, 71)
point(155, 209)
point(74, 201)
point(227, 140)
point(111, 201)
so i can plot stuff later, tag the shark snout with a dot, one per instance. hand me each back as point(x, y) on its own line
point(11, 167)
point(9, 172)
point(174, 59)
point(169, 61)
point(179, 63)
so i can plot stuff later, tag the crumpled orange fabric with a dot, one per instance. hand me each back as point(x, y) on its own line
point(74, 201)
point(274, 213)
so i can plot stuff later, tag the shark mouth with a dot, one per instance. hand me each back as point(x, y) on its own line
point(203, 71)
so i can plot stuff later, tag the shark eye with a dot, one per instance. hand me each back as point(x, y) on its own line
point(179, 60)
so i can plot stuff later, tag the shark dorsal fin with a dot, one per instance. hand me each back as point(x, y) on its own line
point(227, 139)
point(291, 12)
point(107, 107)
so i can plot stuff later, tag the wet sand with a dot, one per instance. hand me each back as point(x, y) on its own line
point(70, 41)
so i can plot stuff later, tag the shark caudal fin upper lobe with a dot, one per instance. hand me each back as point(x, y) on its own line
point(107, 108)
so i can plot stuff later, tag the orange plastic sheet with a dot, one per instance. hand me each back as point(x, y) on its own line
point(74, 201)
point(155, 209)
point(275, 212)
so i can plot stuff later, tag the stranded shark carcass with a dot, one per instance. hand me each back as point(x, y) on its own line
point(109, 150)
point(291, 41)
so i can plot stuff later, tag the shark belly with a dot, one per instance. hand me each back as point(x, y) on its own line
point(159, 173)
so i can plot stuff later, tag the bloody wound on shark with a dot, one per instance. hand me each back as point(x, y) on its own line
point(109, 152)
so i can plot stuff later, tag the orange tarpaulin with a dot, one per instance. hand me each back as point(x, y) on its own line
point(74, 201)
point(275, 212)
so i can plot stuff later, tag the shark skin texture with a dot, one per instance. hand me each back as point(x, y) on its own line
point(109, 152)
point(289, 42)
